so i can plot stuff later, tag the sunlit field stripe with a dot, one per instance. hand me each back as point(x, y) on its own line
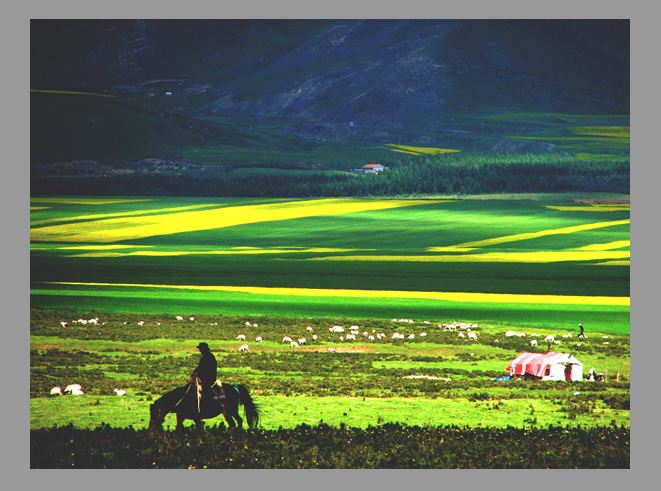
point(87, 201)
point(493, 257)
point(70, 92)
point(529, 235)
point(128, 228)
point(614, 263)
point(104, 216)
point(213, 252)
point(618, 244)
point(598, 208)
point(321, 292)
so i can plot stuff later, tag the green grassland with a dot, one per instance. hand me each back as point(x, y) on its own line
point(232, 261)
point(369, 251)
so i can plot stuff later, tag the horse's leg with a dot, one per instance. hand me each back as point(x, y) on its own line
point(180, 422)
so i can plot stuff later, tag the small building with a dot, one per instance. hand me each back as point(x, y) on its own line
point(372, 168)
point(546, 366)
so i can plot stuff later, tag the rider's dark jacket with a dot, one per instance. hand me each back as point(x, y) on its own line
point(207, 369)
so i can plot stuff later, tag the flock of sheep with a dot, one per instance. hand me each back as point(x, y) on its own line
point(354, 333)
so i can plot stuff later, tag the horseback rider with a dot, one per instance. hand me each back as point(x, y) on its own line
point(205, 375)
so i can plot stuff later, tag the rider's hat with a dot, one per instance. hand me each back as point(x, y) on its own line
point(203, 346)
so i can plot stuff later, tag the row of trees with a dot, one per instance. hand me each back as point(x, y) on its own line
point(432, 175)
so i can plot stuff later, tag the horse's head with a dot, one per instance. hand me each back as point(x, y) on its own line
point(156, 416)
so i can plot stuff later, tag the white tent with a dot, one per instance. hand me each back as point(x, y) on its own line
point(547, 366)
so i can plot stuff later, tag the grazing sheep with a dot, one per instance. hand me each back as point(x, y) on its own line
point(461, 335)
point(286, 339)
point(74, 390)
point(337, 329)
point(472, 335)
point(556, 341)
point(192, 318)
point(510, 334)
point(258, 339)
point(64, 324)
point(549, 339)
point(302, 341)
point(411, 336)
point(248, 324)
point(244, 347)
point(294, 344)
point(94, 321)
point(395, 336)
point(351, 336)
point(533, 342)
point(314, 337)
point(423, 334)
point(180, 318)
point(241, 337)
point(56, 391)
point(141, 323)
point(120, 392)
point(370, 337)
point(309, 329)
point(331, 350)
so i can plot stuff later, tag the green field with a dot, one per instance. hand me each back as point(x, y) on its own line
point(524, 262)
point(537, 265)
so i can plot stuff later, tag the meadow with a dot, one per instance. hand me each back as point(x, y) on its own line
point(537, 266)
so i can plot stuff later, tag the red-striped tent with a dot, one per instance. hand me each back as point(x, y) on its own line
point(547, 366)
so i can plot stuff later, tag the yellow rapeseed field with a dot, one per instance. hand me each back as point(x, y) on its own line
point(501, 257)
point(138, 227)
point(420, 150)
point(529, 235)
point(610, 131)
point(447, 296)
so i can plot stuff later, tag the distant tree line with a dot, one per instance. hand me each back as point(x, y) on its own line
point(463, 175)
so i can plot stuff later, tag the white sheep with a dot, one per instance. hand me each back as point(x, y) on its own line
point(191, 318)
point(141, 323)
point(180, 318)
point(248, 324)
point(472, 335)
point(533, 342)
point(370, 337)
point(351, 336)
point(309, 329)
point(294, 344)
point(286, 339)
point(549, 339)
point(258, 339)
point(120, 392)
point(395, 336)
point(56, 391)
point(461, 335)
point(509, 334)
point(411, 336)
point(244, 347)
point(64, 324)
point(241, 337)
point(314, 337)
point(423, 334)
point(74, 390)
point(331, 350)
point(302, 341)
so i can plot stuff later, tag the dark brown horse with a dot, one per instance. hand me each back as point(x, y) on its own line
point(183, 402)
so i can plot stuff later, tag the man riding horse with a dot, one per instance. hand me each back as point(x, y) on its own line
point(205, 376)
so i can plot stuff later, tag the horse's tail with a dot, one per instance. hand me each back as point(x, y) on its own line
point(253, 412)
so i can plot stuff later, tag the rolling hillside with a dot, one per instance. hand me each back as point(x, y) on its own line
point(182, 87)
